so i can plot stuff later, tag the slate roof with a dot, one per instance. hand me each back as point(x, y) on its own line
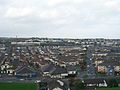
point(112, 63)
point(94, 81)
point(71, 68)
point(59, 70)
point(24, 70)
point(54, 69)
point(54, 84)
point(48, 68)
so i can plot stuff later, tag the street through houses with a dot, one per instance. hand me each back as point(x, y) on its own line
point(90, 63)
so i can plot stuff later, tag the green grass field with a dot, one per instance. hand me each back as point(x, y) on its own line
point(18, 86)
point(118, 88)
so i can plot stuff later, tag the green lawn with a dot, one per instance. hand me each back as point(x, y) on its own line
point(18, 86)
point(118, 88)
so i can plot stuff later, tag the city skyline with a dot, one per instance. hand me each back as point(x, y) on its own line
point(60, 18)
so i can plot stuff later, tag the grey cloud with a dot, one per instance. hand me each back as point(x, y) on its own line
point(60, 18)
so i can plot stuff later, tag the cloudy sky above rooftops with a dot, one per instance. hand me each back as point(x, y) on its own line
point(60, 18)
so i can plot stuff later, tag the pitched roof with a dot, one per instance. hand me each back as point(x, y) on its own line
point(24, 70)
point(94, 81)
point(59, 70)
point(112, 63)
point(55, 84)
point(48, 68)
point(51, 68)
point(71, 68)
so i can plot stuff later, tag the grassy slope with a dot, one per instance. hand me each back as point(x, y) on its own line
point(109, 88)
point(17, 86)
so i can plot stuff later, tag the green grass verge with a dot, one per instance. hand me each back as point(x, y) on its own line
point(18, 86)
point(117, 88)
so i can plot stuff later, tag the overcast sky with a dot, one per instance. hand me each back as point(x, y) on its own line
point(60, 18)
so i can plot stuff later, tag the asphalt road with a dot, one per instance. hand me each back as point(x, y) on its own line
point(90, 66)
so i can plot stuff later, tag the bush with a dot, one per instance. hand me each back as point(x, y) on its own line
point(76, 84)
point(112, 82)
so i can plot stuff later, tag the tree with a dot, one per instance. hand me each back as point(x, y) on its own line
point(79, 85)
point(76, 84)
point(112, 82)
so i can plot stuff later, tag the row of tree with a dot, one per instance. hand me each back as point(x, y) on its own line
point(79, 85)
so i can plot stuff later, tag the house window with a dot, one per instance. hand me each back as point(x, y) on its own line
point(8, 72)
